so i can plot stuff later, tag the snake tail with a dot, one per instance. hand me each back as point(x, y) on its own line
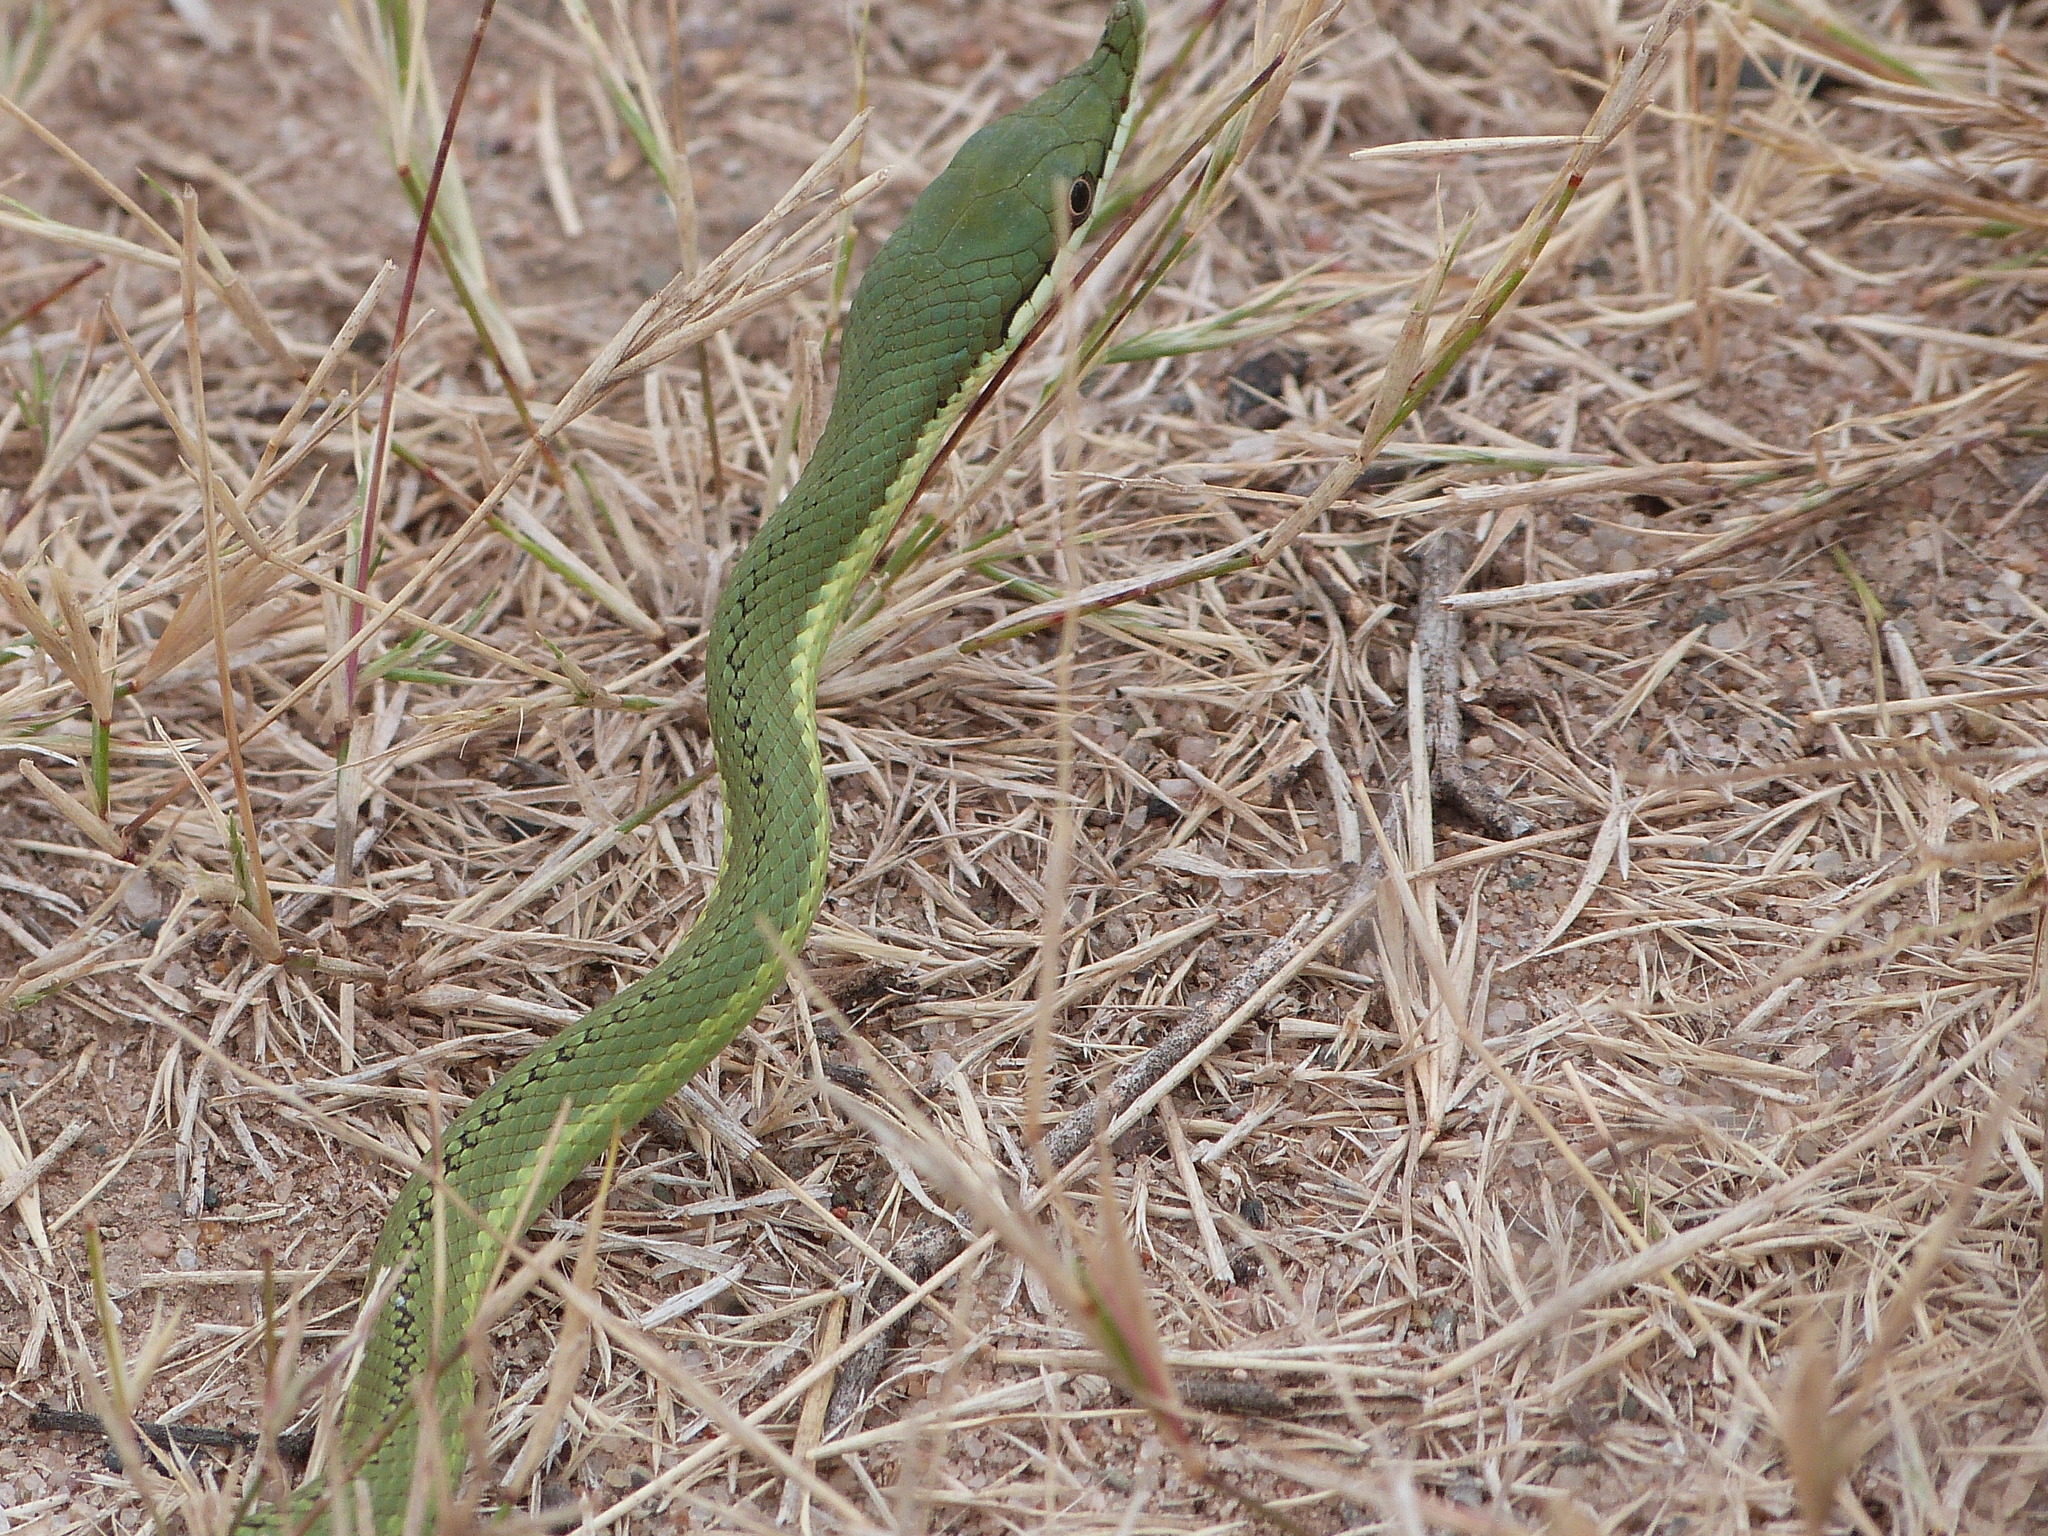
point(943, 304)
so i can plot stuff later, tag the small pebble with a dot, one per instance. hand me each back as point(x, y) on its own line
point(1727, 635)
point(1481, 746)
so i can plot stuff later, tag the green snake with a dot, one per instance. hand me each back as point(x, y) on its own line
point(943, 305)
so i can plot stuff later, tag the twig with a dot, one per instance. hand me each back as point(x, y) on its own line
point(19, 1183)
point(1440, 642)
point(1539, 591)
point(295, 1448)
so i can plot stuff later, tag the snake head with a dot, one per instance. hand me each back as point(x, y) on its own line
point(1064, 143)
point(990, 225)
point(1035, 172)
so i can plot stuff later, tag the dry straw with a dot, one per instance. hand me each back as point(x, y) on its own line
point(1667, 1160)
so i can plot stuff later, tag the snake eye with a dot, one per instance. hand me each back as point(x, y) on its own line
point(1081, 196)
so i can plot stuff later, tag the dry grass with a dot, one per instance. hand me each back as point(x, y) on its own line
point(1682, 1157)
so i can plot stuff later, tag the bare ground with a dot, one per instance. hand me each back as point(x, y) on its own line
point(1760, 995)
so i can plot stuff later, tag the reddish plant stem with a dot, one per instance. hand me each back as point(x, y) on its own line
point(380, 451)
point(91, 268)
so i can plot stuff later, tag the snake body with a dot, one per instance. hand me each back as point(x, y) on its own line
point(942, 305)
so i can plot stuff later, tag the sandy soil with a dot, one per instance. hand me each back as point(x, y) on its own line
point(1771, 955)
